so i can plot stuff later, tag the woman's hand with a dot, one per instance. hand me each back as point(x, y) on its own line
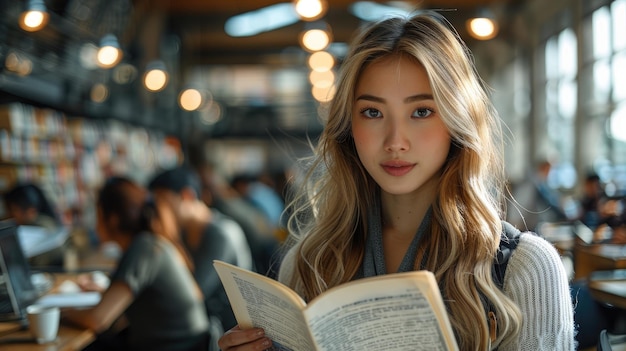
point(249, 339)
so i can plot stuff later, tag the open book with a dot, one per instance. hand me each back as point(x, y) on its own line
point(401, 311)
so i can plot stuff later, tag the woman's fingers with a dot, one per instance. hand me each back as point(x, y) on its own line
point(249, 339)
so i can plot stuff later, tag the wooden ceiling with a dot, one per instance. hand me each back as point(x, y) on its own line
point(199, 24)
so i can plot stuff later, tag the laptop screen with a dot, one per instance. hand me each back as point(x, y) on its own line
point(16, 288)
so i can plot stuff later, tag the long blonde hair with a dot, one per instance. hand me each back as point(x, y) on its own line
point(328, 222)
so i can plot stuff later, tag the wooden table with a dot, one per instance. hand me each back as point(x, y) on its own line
point(15, 338)
point(598, 257)
point(609, 287)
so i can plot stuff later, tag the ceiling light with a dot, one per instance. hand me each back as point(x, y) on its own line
point(35, 16)
point(310, 10)
point(261, 20)
point(482, 28)
point(323, 94)
point(323, 79)
point(109, 53)
point(190, 99)
point(315, 39)
point(18, 64)
point(372, 11)
point(124, 73)
point(156, 77)
point(99, 93)
point(321, 61)
point(211, 114)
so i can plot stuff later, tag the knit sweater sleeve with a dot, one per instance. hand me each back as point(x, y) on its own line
point(537, 282)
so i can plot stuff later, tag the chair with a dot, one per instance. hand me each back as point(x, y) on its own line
point(611, 342)
point(604, 342)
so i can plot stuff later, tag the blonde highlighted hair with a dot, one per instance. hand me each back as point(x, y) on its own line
point(328, 222)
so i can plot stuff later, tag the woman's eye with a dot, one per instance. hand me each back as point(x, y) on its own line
point(371, 113)
point(422, 112)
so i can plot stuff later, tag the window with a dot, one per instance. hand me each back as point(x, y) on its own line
point(561, 96)
point(604, 49)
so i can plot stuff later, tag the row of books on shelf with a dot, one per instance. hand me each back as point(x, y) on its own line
point(30, 149)
point(71, 156)
point(30, 120)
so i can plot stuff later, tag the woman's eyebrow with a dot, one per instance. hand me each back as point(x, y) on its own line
point(370, 98)
point(412, 98)
point(419, 97)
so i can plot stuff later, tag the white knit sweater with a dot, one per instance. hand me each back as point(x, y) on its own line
point(536, 281)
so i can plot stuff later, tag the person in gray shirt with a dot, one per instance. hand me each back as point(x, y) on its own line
point(152, 288)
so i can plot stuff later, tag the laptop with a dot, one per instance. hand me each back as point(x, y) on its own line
point(17, 290)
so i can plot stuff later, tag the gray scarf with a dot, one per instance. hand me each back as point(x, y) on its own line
point(374, 258)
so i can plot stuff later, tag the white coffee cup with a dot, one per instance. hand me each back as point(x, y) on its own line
point(43, 322)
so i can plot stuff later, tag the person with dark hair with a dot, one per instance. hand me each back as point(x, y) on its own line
point(206, 233)
point(218, 193)
point(592, 197)
point(152, 286)
point(261, 196)
point(27, 204)
point(611, 227)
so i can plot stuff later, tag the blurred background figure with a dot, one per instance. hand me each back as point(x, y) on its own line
point(219, 194)
point(535, 201)
point(207, 234)
point(260, 195)
point(27, 205)
point(611, 226)
point(153, 301)
point(592, 197)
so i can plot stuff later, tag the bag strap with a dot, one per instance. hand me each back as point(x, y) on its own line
point(508, 242)
point(509, 238)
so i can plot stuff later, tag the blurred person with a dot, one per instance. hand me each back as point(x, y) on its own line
point(206, 233)
point(590, 201)
point(535, 201)
point(219, 194)
point(261, 196)
point(153, 301)
point(27, 205)
point(611, 226)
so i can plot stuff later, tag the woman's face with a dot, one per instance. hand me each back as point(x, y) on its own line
point(399, 135)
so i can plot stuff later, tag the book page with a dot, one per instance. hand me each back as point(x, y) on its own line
point(262, 302)
point(401, 311)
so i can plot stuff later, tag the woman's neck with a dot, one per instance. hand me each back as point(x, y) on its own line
point(402, 215)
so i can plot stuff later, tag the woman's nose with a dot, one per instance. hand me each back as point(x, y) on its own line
point(396, 137)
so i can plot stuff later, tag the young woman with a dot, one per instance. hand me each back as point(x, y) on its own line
point(407, 175)
point(152, 286)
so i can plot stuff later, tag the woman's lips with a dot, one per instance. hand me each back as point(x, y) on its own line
point(397, 168)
